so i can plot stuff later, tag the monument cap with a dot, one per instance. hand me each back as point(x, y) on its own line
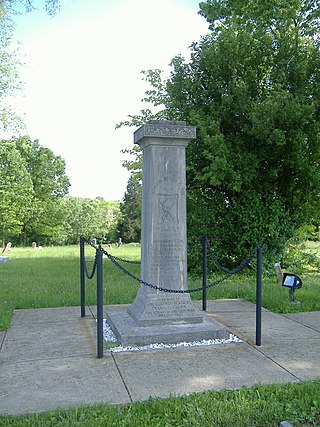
point(165, 129)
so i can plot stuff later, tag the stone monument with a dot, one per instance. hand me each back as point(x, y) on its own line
point(163, 312)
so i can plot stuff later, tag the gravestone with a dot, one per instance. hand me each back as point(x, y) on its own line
point(278, 269)
point(7, 248)
point(159, 314)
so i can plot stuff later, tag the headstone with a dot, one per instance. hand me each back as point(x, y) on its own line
point(278, 269)
point(34, 246)
point(7, 248)
point(158, 313)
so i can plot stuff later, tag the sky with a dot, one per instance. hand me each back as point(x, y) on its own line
point(82, 76)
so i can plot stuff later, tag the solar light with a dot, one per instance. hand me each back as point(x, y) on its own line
point(293, 282)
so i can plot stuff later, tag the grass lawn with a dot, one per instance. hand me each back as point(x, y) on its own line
point(259, 406)
point(50, 278)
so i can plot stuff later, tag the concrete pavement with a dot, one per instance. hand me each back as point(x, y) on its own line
point(48, 359)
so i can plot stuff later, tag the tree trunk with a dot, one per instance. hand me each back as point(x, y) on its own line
point(3, 236)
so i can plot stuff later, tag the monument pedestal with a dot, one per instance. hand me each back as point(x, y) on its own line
point(163, 309)
point(128, 333)
point(156, 315)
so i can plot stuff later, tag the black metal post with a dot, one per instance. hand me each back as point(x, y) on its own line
point(204, 273)
point(291, 294)
point(258, 295)
point(82, 279)
point(99, 255)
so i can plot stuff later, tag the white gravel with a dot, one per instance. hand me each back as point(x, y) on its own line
point(109, 337)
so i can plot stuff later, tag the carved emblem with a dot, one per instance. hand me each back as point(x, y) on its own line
point(168, 208)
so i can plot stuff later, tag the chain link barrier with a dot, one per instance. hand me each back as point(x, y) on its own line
point(90, 276)
point(237, 270)
point(179, 291)
point(150, 285)
point(89, 242)
point(194, 244)
point(98, 268)
point(116, 261)
point(94, 268)
point(126, 260)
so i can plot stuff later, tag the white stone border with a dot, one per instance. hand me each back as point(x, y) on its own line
point(109, 337)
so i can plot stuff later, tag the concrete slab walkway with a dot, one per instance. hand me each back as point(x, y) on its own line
point(48, 359)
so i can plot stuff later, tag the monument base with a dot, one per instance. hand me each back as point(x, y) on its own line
point(128, 333)
point(152, 309)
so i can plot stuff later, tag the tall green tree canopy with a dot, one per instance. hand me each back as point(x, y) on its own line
point(16, 190)
point(251, 87)
point(9, 76)
point(50, 183)
point(89, 217)
point(32, 183)
point(129, 224)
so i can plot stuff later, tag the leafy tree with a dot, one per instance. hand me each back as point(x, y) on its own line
point(10, 62)
point(9, 78)
point(129, 226)
point(50, 184)
point(251, 87)
point(52, 7)
point(88, 217)
point(83, 218)
point(16, 190)
point(112, 215)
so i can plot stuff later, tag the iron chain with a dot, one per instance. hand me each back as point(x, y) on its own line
point(159, 288)
point(236, 270)
point(90, 276)
point(115, 260)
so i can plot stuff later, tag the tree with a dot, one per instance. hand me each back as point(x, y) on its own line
point(112, 216)
point(9, 78)
point(251, 87)
point(52, 7)
point(129, 226)
point(94, 218)
point(10, 62)
point(50, 184)
point(16, 190)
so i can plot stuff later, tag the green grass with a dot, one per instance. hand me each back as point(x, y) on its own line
point(50, 278)
point(274, 296)
point(260, 406)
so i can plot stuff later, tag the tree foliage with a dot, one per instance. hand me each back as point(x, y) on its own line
point(251, 87)
point(52, 7)
point(10, 60)
point(129, 225)
point(88, 217)
point(16, 190)
point(32, 181)
point(49, 181)
point(9, 76)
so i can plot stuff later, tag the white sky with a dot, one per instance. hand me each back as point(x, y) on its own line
point(83, 75)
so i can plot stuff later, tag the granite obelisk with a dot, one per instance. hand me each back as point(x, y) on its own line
point(163, 232)
point(162, 310)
